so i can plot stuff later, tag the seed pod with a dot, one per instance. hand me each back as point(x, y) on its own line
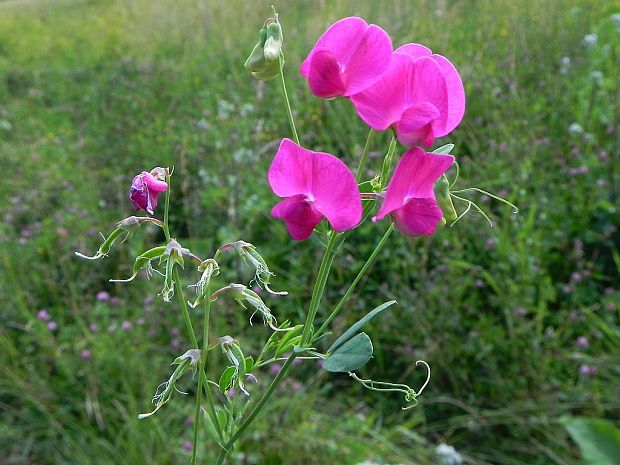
point(442, 190)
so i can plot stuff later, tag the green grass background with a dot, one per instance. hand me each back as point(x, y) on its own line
point(93, 92)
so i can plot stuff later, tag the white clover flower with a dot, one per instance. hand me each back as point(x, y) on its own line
point(575, 128)
point(564, 65)
point(590, 40)
point(448, 455)
point(597, 76)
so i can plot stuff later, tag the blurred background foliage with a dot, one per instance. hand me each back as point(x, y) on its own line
point(519, 321)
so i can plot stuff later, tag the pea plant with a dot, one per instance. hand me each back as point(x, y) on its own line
point(410, 91)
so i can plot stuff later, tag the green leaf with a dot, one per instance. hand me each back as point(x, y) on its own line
point(444, 149)
point(349, 356)
point(598, 439)
point(226, 378)
point(349, 333)
point(249, 364)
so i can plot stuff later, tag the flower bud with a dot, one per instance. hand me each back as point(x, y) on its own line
point(264, 60)
point(273, 44)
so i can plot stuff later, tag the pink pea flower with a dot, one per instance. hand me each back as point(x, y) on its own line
point(315, 185)
point(146, 187)
point(410, 197)
point(420, 96)
point(349, 57)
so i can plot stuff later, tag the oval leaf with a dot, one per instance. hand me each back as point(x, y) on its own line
point(598, 439)
point(349, 356)
point(349, 333)
point(444, 149)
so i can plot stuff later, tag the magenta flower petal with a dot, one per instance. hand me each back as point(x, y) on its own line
point(414, 50)
point(418, 217)
point(299, 215)
point(414, 178)
point(369, 61)
point(358, 54)
point(155, 185)
point(416, 81)
point(383, 103)
point(144, 191)
point(456, 92)
point(416, 124)
point(325, 78)
point(317, 185)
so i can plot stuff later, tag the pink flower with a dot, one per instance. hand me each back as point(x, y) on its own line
point(420, 96)
point(315, 185)
point(410, 197)
point(145, 188)
point(350, 56)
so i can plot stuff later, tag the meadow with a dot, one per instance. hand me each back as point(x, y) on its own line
point(519, 321)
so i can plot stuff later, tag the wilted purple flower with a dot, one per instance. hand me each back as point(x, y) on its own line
point(145, 188)
point(175, 344)
point(52, 326)
point(93, 327)
point(187, 446)
point(140, 321)
point(520, 311)
point(112, 328)
point(567, 289)
point(610, 307)
point(275, 368)
point(43, 315)
point(114, 300)
point(231, 393)
point(479, 283)
point(296, 386)
point(103, 296)
point(148, 300)
point(582, 342)
point(85, 354)
point(126, 325)
point(297, 361)
point(174, 332)
point(575, 277)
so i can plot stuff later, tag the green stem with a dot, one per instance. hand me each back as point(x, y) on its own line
point(178, 290)
point(360, 166)
point(259, 406)
point(166, 226)
point(319, 288)
point(202, 366)
point(287, 101)
point(387, 162)
point(360, 275)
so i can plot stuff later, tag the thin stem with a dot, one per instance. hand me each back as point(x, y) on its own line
point(202, 366)
point(286, 99)
point(319, 287)
point(360, 275)
point(360, 166)
point(178, 290)
point(259, 406)
point(387, 162)
point(166, 226)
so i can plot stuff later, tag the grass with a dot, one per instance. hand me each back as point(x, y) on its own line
point(92, 92)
